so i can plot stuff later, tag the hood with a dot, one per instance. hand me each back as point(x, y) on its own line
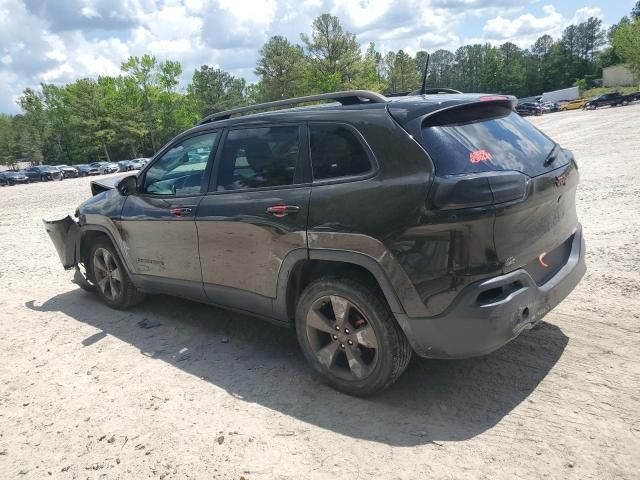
point(104, 184)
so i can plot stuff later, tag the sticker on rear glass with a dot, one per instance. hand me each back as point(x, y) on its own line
point(478, 156)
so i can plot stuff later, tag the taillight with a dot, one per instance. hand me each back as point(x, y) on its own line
point(478, 189)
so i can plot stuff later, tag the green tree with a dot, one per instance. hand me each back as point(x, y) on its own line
point(34, 124)
point(281, 68)
point(512, 73)
point(370, 74)
point(422, 57)
point(441, 69)
point(214, 90)
point(333, 54)
point(8, 146)
point(142, 70)
point(626, 41)
point(401, 72)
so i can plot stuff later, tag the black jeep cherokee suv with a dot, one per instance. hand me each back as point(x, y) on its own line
point(437, 224)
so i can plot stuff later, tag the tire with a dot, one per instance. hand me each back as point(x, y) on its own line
point(43, 178)
point(343, 357)
point(118, 291)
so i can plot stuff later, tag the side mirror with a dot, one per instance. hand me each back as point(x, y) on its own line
point(128, 185)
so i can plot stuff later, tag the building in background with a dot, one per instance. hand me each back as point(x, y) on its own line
point(617, 76)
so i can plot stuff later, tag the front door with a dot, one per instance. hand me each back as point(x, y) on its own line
point(254, 215)
point(158, 223)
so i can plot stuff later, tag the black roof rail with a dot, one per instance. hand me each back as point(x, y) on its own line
point(348, 97)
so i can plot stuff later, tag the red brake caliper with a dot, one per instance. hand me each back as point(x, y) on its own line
point(359, 322)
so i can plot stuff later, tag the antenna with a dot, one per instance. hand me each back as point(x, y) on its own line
point(423, 90)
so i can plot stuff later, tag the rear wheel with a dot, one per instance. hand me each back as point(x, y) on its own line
point(350, 337)
point(110, 278)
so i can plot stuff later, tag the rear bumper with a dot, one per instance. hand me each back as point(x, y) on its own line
point(471, 326)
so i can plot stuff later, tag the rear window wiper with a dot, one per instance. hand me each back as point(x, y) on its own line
point(552, 156)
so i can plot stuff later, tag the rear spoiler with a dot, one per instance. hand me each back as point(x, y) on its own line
point(411, 118)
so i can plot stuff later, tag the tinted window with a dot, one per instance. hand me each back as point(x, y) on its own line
point(181, 169)
point(485, 138)
point(259, 157)
point(336, 152)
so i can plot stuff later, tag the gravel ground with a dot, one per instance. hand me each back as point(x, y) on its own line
point(172, 389)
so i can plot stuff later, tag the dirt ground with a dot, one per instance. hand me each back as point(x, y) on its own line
point(178, 390)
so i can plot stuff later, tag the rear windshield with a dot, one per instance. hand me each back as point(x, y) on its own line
point(483, 138)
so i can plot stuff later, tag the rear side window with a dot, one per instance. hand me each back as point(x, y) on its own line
point(336, 152)
point(259, 157)
point(483, 138)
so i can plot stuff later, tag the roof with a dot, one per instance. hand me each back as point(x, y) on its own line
point(404, 108)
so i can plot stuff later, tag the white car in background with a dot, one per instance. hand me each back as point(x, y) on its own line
point(139, 163)
point(105, 167)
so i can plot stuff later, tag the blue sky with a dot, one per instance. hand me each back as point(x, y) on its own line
point(57, 41)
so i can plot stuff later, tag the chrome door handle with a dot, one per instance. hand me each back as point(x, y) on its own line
point(282, 210)
point(181, 211)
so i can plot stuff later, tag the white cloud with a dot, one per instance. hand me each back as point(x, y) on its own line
point(526, 24)
point(525, 29)
point(62, 40)
point(583, 14)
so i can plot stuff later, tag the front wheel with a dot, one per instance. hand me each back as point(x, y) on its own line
point(350, 337)
point(111, 280)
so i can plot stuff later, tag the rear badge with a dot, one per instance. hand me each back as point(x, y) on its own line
point(478, 156)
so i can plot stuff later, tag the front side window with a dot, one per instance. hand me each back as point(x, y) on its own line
point(259, 158)
point(180, 170)
point(336, 152)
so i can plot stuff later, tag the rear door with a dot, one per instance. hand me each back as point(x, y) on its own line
point(531, 180)
point(254, 215)
point(158, 223)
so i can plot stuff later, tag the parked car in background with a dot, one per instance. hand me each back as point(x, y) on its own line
point(125, 166)
point(11, 177)
point(529, 108)
point(608, 99)
point(67, 171)
point(574, 104)
point(105, 167)
point(551, 107)
point(138, 163)
point(43, 173)
point(440, 224)
point(85, 170)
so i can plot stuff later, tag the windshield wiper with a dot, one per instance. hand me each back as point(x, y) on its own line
point(552, 156)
